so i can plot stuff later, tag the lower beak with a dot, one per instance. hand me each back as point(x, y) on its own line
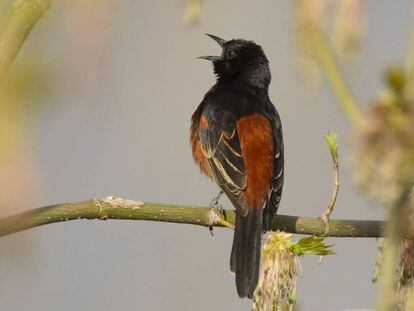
point(210, 58)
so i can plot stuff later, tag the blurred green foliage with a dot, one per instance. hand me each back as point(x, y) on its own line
point(27, 86)
point(384, 151)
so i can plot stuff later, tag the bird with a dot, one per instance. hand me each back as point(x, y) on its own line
point(236, 140)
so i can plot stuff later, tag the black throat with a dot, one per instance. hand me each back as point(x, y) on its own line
point(256, 75)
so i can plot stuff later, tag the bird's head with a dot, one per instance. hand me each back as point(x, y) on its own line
point(241, 59)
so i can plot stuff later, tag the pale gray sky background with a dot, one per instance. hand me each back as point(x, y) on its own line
point(124, 131)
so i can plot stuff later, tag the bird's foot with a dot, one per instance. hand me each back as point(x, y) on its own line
point(214, 204)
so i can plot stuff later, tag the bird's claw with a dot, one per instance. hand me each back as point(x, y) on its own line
point(219, 208)
point(214, 204)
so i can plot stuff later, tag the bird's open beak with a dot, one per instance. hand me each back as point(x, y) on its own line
point(220, 42)
point(217, 39)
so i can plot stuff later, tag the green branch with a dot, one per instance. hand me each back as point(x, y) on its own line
point(329, 63)
point(115, 208)
point(23, 15)
point(394, 231)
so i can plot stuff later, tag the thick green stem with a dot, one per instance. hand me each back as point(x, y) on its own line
point(115, 208)
point(329, 63)
point(395, 233)
point(23, 15)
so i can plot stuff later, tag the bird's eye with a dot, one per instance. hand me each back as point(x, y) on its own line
point(230, 54)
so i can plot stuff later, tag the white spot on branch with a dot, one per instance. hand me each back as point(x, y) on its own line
point(122, 203)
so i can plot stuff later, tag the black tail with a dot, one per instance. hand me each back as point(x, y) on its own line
point(245, 253)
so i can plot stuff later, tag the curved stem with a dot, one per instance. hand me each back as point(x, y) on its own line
point(333, 147)
point(116, 208)
point(329, 63)
point(23, 15)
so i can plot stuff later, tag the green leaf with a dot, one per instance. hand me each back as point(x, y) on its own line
point(330, 138)
point(312, 246)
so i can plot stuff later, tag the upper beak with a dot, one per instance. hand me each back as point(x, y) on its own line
point(217, 39)
point(220, 42)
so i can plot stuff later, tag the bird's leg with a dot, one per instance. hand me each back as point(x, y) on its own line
point(215, 202)
point(215, 205)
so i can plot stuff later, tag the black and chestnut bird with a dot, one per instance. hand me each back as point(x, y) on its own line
point(236, 139)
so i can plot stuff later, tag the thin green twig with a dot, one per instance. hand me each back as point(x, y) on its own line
point(333, 148)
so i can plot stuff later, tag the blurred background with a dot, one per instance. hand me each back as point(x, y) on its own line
point(99, 102)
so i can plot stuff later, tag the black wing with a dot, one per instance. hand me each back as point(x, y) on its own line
point(278, 174)
point(221, 146)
